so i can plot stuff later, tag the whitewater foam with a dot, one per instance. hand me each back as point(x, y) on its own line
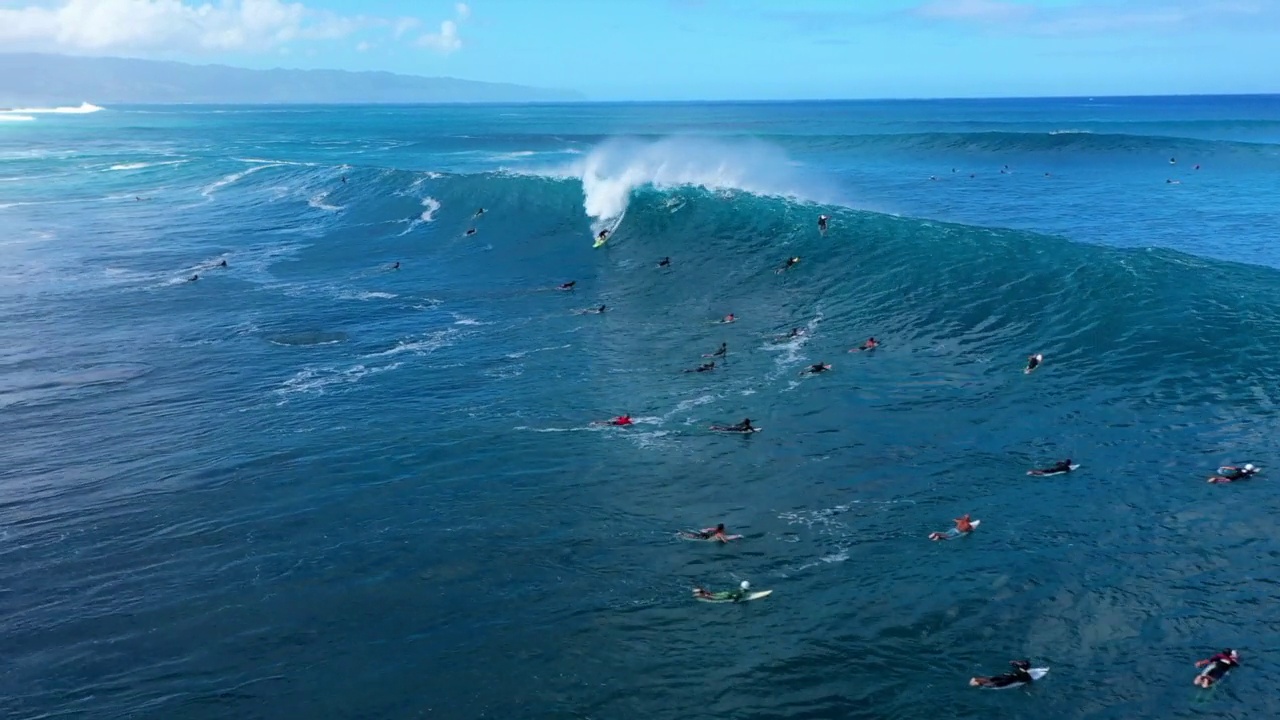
point(83, 108)
point(612, 171)
point(317, 201)
point(232, 178)
point(9, 117)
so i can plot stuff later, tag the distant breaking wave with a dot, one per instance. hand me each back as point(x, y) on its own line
point(613, 170)
point(81, 109)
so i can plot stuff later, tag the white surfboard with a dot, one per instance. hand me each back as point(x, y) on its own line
point(750, 596)
point(953, 533)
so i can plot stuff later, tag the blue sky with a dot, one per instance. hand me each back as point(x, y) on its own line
point(703, 49)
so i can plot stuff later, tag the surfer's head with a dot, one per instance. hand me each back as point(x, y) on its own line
point(1231, 654)
point(720, 527)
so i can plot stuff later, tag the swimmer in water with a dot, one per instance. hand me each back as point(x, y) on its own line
point(1229, 473)
point(1056, 468)
point(471, 232)
point(1216, 667)
point(1021, 675)
point(1033, 362)
point(870, 344)
point(567, 286)
point(664, 262)
point(964, 526)
point(705, 367)
point(822, 223)
point(815, 369)
point(722, 351)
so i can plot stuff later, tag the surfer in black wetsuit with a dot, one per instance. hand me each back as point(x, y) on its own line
point(815, 369)
point(1061, 467)
point(715, 533)
point(705, 367)
point(822, 223)
point(664, 262)
point(604, 235)
point(742, 427)
point(723, 351)
point(222, 264)
point(1033, 361)
point(789, 264)
point(1216, 667)
point(396, 266)
point(479, 212)
point(593, 311)
point(1019, 676)
point(1234, 473)
point(344, 179)
point(870, 344)
point(193, 278)
point(567, 286)
point(471, 232)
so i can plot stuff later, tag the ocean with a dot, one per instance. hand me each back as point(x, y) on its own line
point(310, 484)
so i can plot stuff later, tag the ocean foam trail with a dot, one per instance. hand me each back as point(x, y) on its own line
point(613, 170)
point(83, 108)
point(232, 178)
point(10, 117)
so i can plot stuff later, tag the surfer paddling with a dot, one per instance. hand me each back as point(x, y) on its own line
point(1057, 468)
point(620, 421)
point(664, 262)
point(567, 286)
point(730, 595)
point(592, 311)
point(722, 352)
point(964, 526)
point(743, 427)
point(791, 262)
point(1216, 667)
point(1229, 473)
point(716, 533)
point(1033, 362)
point(1021, 675)
point(815, 369)
point(705, 367)
point(870, 344)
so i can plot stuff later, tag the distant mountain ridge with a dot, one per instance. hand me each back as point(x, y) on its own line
point(40, 79)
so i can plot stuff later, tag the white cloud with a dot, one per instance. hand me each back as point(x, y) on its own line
point(973, 10)
point(447, 40)
point(1091, 16)
point(363, 46)
point(404, 25)
point(171, 26)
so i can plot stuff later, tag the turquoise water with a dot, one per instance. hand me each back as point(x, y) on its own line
point(308, 485)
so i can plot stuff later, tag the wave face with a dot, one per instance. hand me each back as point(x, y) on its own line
point(372, 430)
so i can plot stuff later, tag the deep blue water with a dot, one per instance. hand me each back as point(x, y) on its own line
point(308, 485)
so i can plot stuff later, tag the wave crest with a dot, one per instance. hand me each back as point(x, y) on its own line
point(614, 169)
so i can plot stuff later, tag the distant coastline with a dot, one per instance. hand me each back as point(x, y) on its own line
point(43, 80)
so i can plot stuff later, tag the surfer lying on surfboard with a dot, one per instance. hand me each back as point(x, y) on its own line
point(1021, 675)
point(716, 533)
point(1229, 473)
point(723, 351)
point(705, 367)
point(815, 369)
point(731, 595)
point(964, 526)
point(591, 311)
point(620, 421)
point(1217, 667)
point(742, 427)
point(567, 286)
point(1057, 469)
point(789, 264)
point(870, 344)
point(1033, 362)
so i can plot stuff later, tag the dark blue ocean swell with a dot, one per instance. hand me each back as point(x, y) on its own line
point(308, 485)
